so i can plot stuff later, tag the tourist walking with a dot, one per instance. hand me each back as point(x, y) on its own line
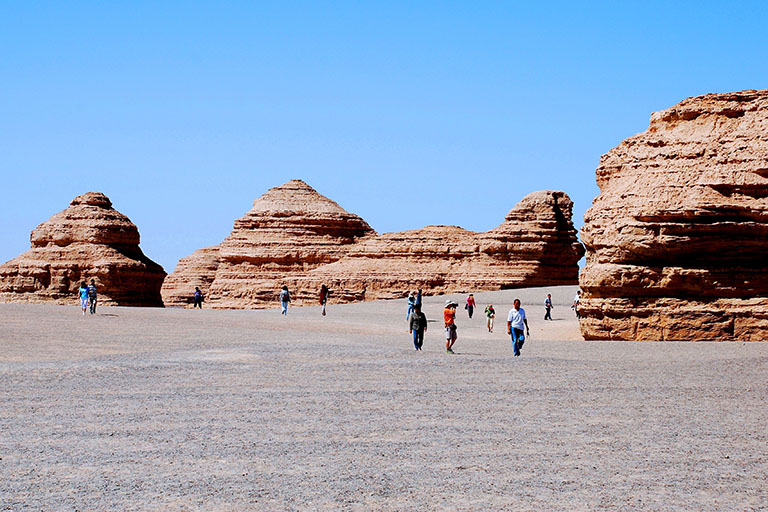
point(449, 315)
point(516, 320)
point(285, 298)
point(92, 296)
point(418, 326)
point(575, 305)
point(548, 307)
point(197, 299)
point(490, 314)
point(418, 298)
point(470, 307)
point(324, 293)
point(411, 304)
point(83, 291)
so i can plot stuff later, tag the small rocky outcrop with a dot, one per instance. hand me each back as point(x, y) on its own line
point(88, 240)
point(676, 240)
point(296, 237)
point(197, 269)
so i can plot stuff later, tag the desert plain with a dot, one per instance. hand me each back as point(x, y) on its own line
point(180, 409)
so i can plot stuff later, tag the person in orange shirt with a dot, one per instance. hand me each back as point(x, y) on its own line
point(449, 314)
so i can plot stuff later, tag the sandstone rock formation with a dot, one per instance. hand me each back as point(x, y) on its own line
point(88, 240)
point(535, 246)
point(197, 269)
point(676, 241)
point(297, 237)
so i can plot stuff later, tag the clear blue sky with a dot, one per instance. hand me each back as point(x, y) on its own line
point(406, 113)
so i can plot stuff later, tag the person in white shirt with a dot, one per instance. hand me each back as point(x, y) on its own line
point(575, 305)
point(516, 320)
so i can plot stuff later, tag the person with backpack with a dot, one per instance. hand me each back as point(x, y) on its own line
point(198, 299)
point(470, 306)
point(285, 298)
point(92, 296)
point(575, 305)
point(418, 326)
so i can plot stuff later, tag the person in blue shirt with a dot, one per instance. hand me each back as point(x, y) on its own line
point(83, 296)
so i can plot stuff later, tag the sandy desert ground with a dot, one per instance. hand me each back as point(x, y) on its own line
point(172, 409)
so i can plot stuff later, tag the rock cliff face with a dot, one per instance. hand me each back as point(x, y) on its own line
point(88, 240)
point(295, 236)
point(676, 241)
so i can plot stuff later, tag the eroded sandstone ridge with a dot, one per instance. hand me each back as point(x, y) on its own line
point(535, 246)
point(297, 237)
point(676, 241)
point(88, 240)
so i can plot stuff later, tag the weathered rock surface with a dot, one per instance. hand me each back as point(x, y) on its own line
point(197, 269)
point(297, 237)
point(535, 246)
point(88, 240)
point(676, 241)
point(290, 230)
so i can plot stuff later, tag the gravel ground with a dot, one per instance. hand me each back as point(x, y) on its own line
point(152, 409)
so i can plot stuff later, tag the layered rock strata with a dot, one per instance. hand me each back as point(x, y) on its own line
point(88, 240)
point(535, 246)
point(296, 237)
point(676, 240)
point(197, 269)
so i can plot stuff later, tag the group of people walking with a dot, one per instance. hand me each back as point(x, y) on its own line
point(517, 320)
point(88, 296)
point(517, 324)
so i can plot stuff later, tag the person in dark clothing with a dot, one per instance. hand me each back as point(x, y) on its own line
point(418, 326)
point(285, 298)
point(324, 293)
point(198, 299)
point(548, 307)
point(92, 296)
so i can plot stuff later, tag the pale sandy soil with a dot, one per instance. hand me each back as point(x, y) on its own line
point(152, 409)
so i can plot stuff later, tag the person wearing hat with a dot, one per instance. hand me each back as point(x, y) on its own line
point(449, 314)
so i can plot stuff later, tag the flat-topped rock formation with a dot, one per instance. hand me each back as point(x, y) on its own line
point(677, 239)
point(296, 237)
point(88, 240)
